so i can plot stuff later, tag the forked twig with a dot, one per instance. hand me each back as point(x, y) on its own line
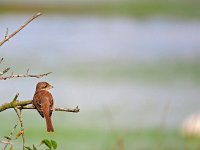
point(8, 138)
point(7, 37)
point(24, 76)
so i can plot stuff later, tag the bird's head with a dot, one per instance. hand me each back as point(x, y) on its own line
point(43, 86)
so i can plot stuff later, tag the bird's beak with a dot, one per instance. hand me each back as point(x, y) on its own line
point(49, 87)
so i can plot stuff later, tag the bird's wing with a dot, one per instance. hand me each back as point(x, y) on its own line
point(41, 99)
point(37, 102)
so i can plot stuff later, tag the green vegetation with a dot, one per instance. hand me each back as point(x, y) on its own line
point(50, 144)
point(70, 135)
point(182, 8)
point(87, 139)
point(158, 72)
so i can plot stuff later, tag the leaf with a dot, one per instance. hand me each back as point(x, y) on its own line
point(28, 148)
point(20, 133)
point(47, 143)
point(54, 144)
point(11, 147)
point(34, 148)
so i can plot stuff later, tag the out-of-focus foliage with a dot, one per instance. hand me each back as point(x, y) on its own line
point(50, 144)
point(138, 8)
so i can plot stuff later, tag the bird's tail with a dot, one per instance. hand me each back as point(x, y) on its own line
point(49, 124)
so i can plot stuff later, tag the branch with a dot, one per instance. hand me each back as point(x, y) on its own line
point(4, 71)
point(6, 142)
point(1, 60)
point(7, 37)
point(14, 103)
point(24, 75)
point(21, 123)
point(8, 138)
point(23, 105)
point(74, 110)
point(18, 106)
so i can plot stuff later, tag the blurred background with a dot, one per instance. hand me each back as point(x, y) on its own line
point(132, 67)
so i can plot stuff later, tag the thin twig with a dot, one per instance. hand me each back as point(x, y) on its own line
point(8, 138)
point(21, 123)
point(27, 71)
point(6, 142)
point(19, 117)
point(74, 110)
point(22, 128)
point(11, 133)
point(19, 29)
point(24, 76)
point(1, 60)
point(4, 71)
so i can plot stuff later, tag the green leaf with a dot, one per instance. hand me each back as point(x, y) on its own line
point(34, 148)
point(47, 143)
point(28, 148)
point(11, 147)
point(54, 144)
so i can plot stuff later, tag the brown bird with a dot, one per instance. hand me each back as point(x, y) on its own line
point(43, 101)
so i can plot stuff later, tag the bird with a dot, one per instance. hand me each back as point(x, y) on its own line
point(43, 102)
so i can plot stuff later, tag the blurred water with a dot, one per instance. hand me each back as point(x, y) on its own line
point(57, 41)
point(101, 38)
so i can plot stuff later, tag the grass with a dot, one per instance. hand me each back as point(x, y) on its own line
point(86, 139)
point(75, 136)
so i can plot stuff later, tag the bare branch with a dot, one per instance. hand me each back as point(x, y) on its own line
point(24, 76)
point(6, 70)
point(19, 115)
point(7, 37)
point(6, 142)
point(8, 138)
point(27, 71)
point(74, 110)
point(15, 98)
point(14, 104)
point(23, 105)
point(1, 60)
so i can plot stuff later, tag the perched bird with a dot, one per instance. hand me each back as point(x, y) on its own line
point(43, 102)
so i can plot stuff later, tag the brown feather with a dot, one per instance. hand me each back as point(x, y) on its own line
point(43, 101)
